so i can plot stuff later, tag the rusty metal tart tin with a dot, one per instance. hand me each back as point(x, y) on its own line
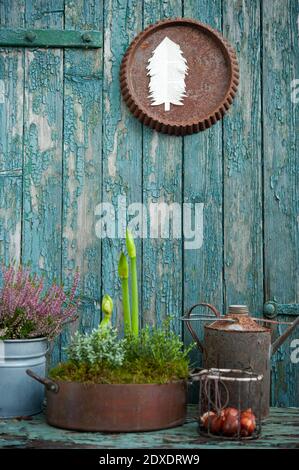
point(211, 83)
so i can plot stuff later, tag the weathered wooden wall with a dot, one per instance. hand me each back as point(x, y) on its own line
point(68, 142)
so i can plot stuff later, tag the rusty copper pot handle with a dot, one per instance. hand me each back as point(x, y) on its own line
point(49, 384)
point(192, 332)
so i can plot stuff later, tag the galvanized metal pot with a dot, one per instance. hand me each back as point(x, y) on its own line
point(114, 408)
point(19, 395)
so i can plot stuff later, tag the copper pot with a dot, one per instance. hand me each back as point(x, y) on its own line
point(114, 407)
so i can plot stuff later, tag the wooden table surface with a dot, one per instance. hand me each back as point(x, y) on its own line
point(280, 430)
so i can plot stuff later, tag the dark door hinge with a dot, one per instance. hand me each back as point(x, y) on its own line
point(272, 309)
point(50, 38)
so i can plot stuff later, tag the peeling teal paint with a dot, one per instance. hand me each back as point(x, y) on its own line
point(280, 430)
point(281, 202)
point(203, 268)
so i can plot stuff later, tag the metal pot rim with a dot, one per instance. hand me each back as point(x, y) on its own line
point(210, 327)
point(27, 340)
point(131, 385)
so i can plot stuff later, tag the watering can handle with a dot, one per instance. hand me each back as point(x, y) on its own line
point(192, 332)
point(49, 384)
point(278, 342)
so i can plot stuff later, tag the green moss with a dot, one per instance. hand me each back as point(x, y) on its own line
point(137, 372)
point(156, 355)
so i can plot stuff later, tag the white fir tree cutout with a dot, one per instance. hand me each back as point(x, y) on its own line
point(167, 68)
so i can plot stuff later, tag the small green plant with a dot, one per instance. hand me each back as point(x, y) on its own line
point(131, 323)
point(134, 282)
point(107, 309)
point(151, 355)
point(123, 272)
point(155, 356)
point(102, 346)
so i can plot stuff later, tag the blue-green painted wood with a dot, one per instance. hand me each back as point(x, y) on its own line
point(49, 38)
point(11, 109)
point(203, 268)
point(162, 182)
point(279, 431)
point(43, 130)
point(11, 138)
point(242, 185)
point(81, 146)
point(272, 309)
point(82, 166)
point(122, 137)
point(280, 67)
point(10, 218)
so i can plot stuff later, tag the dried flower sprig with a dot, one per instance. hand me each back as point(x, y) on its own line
point(29, 310)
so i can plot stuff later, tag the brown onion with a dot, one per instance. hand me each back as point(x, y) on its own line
point(205, 418)
point(231, 412)
point(248, 422)
point(216, 423)
point(230, 426)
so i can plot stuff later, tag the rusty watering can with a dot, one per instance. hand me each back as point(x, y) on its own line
point(237, 341)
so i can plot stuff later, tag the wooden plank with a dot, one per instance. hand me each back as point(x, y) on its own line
point(243, 242)
point(82, 163)
point(11, 138)
point(43, 117)
point(272, 309)
point(279, 430)
point(281, 199)
point(203, 184)
point(50, 38)
point(162, 182)
point(10, 219)
point(43, 155)
point(122, 147)
point(11, 109)
point(12, 14)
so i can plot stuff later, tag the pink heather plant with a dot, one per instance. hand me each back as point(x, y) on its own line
point(28, 310)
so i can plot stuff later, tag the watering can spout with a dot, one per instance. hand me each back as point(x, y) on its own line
point(279, 341)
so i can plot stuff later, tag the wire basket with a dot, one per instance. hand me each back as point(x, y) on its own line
point(230, 403)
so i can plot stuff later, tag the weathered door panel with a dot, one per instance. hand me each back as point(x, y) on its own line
point(42, 147)
point(11, 137)
point(82, 163)
point(162, 182)
point(242, 180)
point(52, 149)
point(202, 183)
point(281, 198)
point(122, 137)
point(68, 143)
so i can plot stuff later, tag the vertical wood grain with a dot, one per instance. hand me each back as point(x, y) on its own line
point(122, 137)
point(10, 219)
point(42, 145)
point(162, 182)
point(281, 198)
point(11, 137)
point(243, 242)
point(82, 137)
point(203, 182)
point(82, 146)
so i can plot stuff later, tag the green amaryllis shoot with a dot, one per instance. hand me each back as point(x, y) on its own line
point(123, 272)
point(107, 309)
point(134, 284)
